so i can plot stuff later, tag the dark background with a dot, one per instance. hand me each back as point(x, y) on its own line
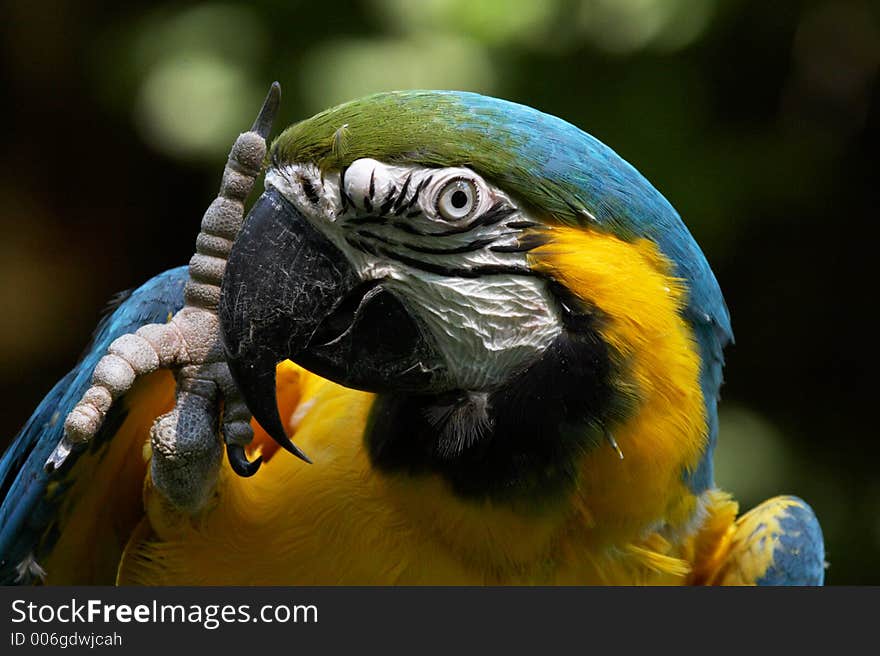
point(753, 118)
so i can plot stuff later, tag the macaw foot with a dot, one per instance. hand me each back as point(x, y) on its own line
point(186, 442)
point(186, 451)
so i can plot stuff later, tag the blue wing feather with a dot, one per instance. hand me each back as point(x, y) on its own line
point(26, 509)
point(778, 542)
point(798, 556)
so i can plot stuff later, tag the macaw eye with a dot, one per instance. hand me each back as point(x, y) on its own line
point(457, 199)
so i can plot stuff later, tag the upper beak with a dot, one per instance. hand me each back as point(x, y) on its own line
point(288, 292)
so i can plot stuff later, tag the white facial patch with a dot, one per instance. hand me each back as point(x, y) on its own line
point(448, 244)
point(486, 327)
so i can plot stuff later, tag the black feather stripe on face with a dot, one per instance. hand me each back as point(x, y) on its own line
point(394, 246)
point(460, 272)
point(520, 443)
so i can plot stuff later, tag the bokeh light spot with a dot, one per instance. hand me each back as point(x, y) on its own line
point(625, 26)
point(341, 70)
point(233, 32)
point(751, 459)
point(489, 21)
point(192, 107)
point(197, 86)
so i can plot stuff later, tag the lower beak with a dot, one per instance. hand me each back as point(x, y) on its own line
point(288, 292)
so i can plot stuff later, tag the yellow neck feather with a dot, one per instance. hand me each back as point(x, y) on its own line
point(632, 286)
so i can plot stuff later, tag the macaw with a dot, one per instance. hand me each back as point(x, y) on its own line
point(496, 345)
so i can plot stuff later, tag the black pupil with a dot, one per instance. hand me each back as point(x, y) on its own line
point(459, 199)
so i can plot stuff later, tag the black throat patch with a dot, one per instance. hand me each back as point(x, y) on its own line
point(520, 443)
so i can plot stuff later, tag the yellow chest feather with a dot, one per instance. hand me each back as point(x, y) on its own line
point(338, 521)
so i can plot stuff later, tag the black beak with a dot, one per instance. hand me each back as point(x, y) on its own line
point(288, 292)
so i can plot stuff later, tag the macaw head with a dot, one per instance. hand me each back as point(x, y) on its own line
point(513, 291)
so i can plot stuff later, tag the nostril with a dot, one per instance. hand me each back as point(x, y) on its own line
point(309, 189)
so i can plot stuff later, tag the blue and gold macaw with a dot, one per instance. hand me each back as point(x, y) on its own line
point(496, 343)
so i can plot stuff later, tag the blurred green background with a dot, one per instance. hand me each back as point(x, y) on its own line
point(753, 118)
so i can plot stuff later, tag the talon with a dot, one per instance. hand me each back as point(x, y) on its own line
point(290, 447)
point(239, 462)
point(263, 124)
point(256, 382)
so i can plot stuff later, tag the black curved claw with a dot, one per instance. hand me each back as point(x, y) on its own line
point(239, 462)
point(263, 124)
